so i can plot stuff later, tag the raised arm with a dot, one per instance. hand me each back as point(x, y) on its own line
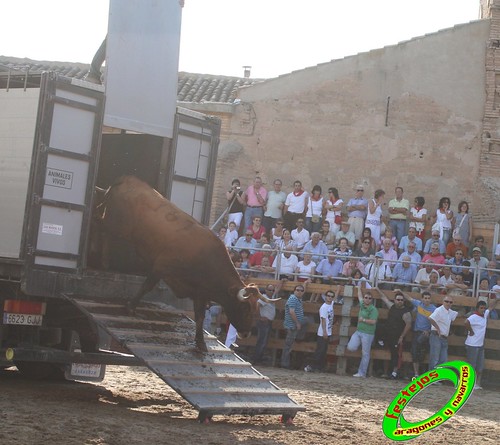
point(384, 298)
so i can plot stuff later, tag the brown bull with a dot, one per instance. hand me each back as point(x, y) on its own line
point(179, 250)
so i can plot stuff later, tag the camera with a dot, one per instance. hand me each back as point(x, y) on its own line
point(238, 187)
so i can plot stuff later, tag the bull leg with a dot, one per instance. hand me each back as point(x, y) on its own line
point(147, 286)
point(199, 305)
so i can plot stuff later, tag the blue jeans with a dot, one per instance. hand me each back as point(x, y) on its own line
point(398, 228)
point(438, 350)
point(263, 331)
point(475, 356)
point(365, 341)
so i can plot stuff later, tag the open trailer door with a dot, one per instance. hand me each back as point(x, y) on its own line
point(62, 178)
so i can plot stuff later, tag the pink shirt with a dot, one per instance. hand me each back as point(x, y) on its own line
point(252, 197)
point(437, 259)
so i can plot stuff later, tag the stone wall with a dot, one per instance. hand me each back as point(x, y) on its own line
point(409, 114)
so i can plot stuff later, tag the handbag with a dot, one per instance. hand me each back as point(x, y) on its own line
point(315, 218)
point(456, 230)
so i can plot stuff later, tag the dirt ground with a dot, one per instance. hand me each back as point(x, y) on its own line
point(133, 406)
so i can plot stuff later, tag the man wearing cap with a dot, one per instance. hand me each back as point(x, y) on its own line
point(477, 260)
point(399, 208)
point(356, 208)
point(344, 232)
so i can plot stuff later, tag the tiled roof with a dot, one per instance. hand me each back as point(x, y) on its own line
point(191, 87)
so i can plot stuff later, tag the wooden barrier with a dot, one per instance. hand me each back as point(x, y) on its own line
point(345, 321)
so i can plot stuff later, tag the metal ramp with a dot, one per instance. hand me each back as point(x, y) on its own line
point(216, 382)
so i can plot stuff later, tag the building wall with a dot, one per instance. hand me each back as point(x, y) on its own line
point(409, 114)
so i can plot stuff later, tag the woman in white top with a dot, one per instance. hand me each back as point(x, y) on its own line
point(375, 213)
point(444, 217)
point(305, 268)
point(314, 210)
point(333, 206)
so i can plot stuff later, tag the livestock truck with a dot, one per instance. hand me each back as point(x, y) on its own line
point(60, 138)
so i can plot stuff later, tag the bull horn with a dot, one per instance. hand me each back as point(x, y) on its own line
point(267, 299)
point(241, 295)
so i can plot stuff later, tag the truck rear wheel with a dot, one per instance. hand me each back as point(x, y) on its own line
point(40, 370)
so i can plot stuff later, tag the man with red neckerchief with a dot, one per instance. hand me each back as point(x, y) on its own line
point(295, 205)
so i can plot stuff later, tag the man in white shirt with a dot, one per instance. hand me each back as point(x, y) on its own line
point(300, 235)
point(384, 271)
point(295, 205)
point(285, 264)
point(474, 343)
point(441, 320)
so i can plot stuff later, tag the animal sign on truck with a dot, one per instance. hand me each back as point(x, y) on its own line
point(60, 138)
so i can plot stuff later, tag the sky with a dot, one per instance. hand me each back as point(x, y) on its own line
point(221, 36)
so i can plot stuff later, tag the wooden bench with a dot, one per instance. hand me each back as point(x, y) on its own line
point(345, 322)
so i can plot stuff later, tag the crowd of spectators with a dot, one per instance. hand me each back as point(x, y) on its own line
point(309, 237)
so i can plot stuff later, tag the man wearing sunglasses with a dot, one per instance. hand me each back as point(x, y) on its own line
point(295, 323)
point(441, 320)
point(365, 333)
point(398, 324)
point(324, 334)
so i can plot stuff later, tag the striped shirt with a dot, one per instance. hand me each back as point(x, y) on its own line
point(296, 304)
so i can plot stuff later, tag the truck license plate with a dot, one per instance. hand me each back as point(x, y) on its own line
point(23, 319)
point(85, 370)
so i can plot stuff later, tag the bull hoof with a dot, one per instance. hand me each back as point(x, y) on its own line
point(201, 346)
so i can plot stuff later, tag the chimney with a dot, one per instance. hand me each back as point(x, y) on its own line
point(246, 72)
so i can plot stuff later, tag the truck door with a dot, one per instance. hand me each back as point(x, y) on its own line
point(195, 144)
point(65, 152)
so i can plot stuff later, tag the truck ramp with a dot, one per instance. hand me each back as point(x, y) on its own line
point(215, 382)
